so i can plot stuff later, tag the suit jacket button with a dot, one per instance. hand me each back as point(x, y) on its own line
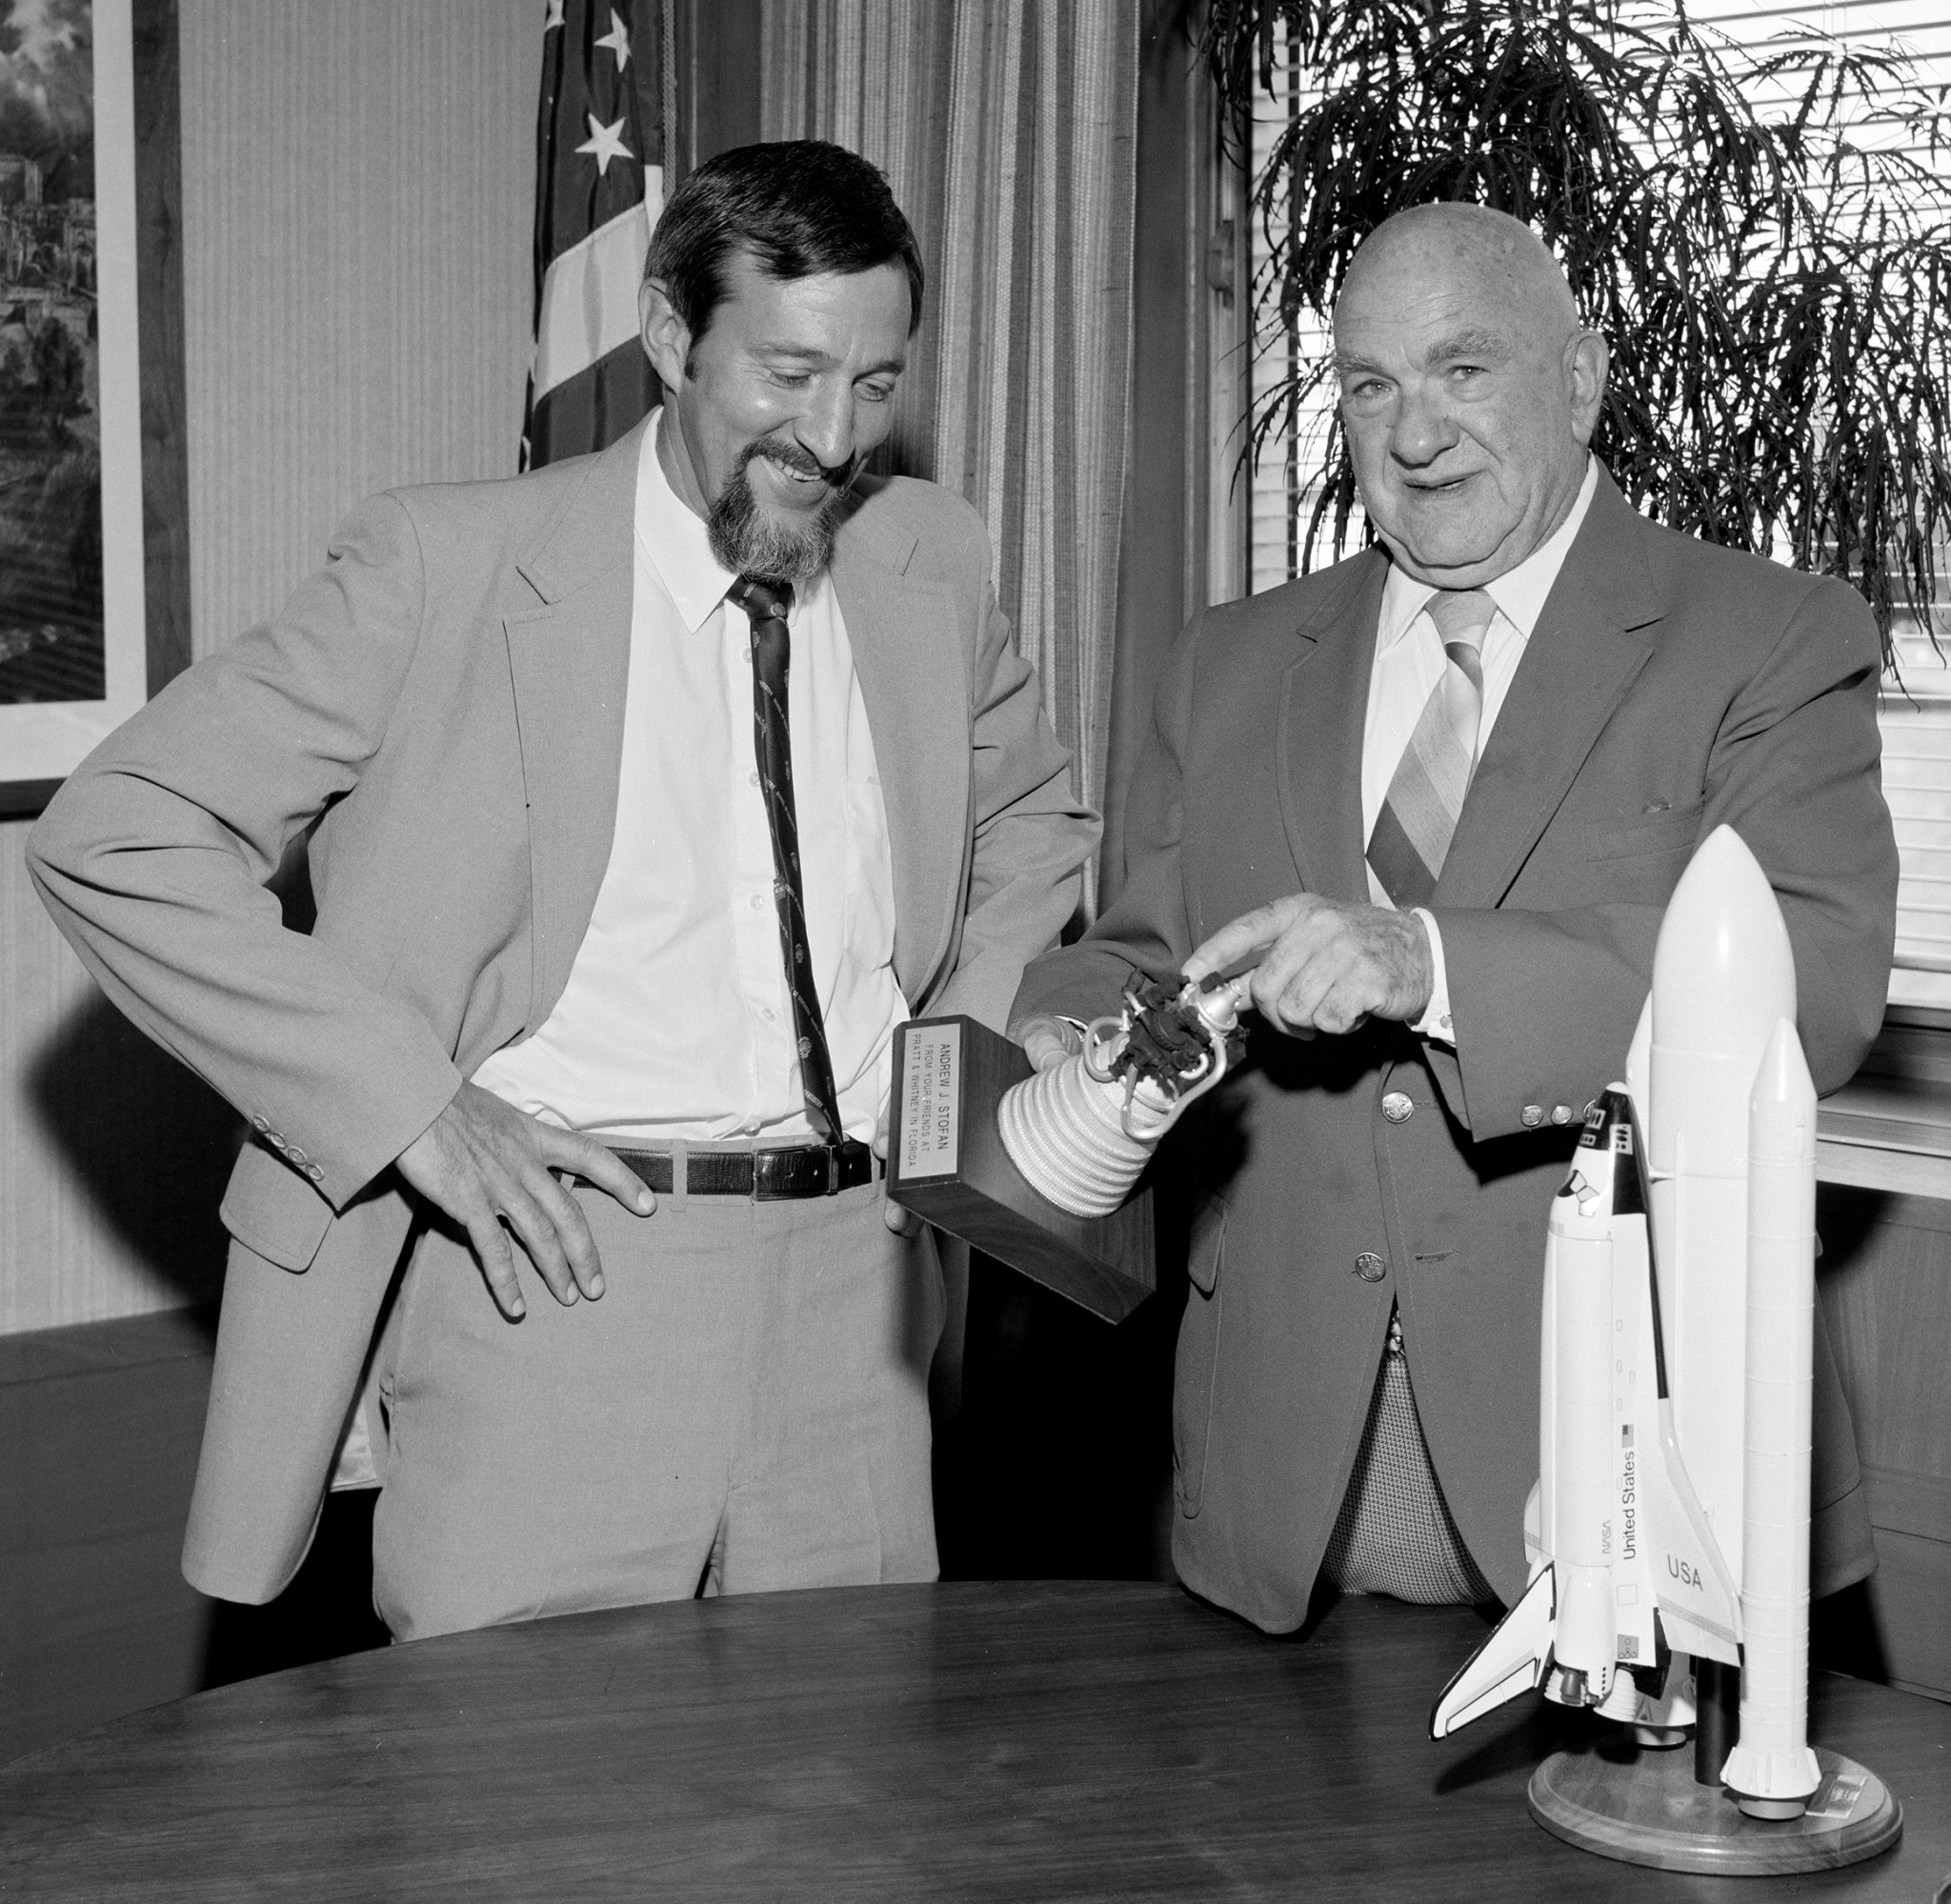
point(1531, 1117)
point(315, 1172)
point(1561, 1114)
point(260, 1125)
point(1397, 1105)
point(1370, 1267)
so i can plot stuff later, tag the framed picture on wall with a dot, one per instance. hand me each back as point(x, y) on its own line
point(76, 650)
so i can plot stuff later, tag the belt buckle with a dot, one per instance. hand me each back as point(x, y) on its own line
point(779, 1176)
point(786, 1175)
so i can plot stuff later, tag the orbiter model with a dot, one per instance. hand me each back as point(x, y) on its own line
point(1625, 1570)
point(1670, 1523)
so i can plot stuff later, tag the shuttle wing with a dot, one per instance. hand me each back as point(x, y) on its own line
point(1512, 1660)
point(1700, 1611)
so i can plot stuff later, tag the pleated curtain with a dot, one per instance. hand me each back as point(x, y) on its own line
point(1008, 132)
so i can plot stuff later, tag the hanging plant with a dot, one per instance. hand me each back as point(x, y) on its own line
point(1776, 298)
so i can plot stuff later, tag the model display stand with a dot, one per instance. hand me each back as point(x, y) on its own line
point(1649, 1809)
point(946, 1162)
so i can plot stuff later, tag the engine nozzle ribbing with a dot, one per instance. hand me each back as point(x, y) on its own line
point(1082, 1132)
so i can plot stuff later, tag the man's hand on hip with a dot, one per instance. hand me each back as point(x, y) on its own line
point(1326, 966)
point(482, 1163)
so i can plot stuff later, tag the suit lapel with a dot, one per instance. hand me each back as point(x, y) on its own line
point(915, 689)
point(1324, 709)
point(569, 659)
point(1582, 656)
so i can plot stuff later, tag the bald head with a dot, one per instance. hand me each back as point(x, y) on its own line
point(1504, 258)
point(1469, 390)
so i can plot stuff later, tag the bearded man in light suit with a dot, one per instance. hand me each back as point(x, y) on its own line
point(1441, 792)
point(650, 790)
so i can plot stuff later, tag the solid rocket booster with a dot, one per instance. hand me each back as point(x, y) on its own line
point(1723, 976)
point(1771, 1771)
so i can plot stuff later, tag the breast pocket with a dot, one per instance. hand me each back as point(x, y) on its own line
point(1675, 830)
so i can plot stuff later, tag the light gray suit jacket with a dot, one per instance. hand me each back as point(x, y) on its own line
point(1668, 686)
point(446, 700)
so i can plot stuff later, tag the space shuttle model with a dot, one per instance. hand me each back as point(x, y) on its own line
point(1625, 1568)
point(1670, 1524)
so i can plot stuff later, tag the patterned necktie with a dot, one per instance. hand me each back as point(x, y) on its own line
point(1412, 832)
point(769, 603)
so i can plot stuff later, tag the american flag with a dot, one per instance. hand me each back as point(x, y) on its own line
point(599, 187)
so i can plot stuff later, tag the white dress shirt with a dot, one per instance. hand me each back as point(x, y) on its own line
point(676, 1022)
point(1410, 661)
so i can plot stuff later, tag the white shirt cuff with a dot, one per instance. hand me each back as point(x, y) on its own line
point(1435, 1022)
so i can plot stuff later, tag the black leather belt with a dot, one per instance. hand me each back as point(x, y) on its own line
point(766, 1176)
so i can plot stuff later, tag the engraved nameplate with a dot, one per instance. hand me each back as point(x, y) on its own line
point(947, 1165)
point(932, 1101)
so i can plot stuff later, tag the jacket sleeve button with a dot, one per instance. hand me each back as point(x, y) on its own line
point(1531, 1117)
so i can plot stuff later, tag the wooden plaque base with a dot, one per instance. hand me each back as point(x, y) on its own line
point(946, 1162)
point(1648, 1810)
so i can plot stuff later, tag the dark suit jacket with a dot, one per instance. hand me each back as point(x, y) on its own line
point(448, 694)
point(1668, 686)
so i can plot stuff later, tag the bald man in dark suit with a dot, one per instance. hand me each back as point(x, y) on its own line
point(1443, 792)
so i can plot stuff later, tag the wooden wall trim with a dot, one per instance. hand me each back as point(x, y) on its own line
point(1845, 1207)
point(159, 320)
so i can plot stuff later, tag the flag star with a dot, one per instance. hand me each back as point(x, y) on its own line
point(617, 40)
point(554, 18)
point(604, 145)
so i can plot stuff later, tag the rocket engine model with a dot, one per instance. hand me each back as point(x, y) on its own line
point(1671, 1518)
point(1081, 1132)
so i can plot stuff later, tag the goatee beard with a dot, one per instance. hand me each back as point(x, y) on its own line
point(748, 540)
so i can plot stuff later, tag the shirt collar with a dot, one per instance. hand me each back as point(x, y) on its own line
point(1519, 593)
point(673, 537)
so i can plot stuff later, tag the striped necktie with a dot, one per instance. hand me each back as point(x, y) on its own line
point(1412, 832)
point(769, 603)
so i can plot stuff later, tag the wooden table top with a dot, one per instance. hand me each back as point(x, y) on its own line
point(997, 1740)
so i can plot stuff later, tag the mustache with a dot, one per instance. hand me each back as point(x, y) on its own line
point(794, 456)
